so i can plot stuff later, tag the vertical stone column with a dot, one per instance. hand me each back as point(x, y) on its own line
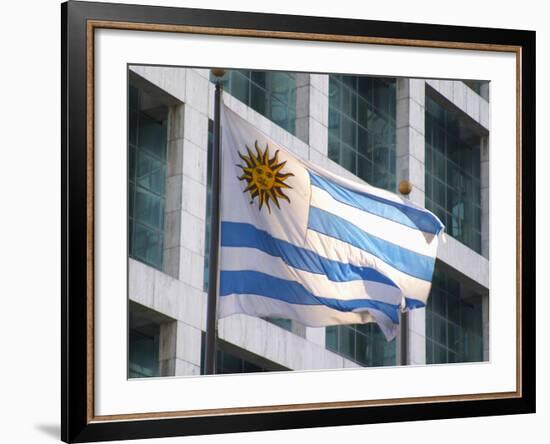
point(188, 350)
point(312, 111)
point(316, 335)
point(172, 214)
point(410, 150)
point(485, 243)
point(410, 159)
point(484, 91)
point(186, 214)
point(312, 128)
point(484, 171)
point(485, 301)
point(167, 349)
point(180, 349)
point(186, 183)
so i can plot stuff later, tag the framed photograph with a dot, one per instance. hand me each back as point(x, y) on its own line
point(275, 221)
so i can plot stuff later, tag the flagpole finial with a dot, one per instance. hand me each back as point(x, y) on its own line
point(405, 187)
point(218, 72)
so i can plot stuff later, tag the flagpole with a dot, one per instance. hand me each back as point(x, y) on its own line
point(405, 188)
point(211, 310)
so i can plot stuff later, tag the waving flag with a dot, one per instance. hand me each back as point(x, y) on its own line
point(301, 243)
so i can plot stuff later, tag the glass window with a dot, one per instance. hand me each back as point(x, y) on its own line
point(362, 343)
point(453, 174)
point(362, 127)
point(144, 341)
point(228, 363)
point(454, 331)
point(143, 350)
point(146, 180)
point(232, 362)
point(271, 93)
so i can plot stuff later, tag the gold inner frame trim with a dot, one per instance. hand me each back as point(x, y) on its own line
point(92, 25)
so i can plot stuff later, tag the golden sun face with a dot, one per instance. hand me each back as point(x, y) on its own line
point(264, 177)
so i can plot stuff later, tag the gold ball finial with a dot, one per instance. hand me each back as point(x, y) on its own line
point(405, 187)
point(218, 72)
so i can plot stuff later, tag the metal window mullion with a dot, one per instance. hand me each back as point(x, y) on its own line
point(148, 191)
point(133, 179)
point(150, 227)
point(156, 230)
point(154, 156)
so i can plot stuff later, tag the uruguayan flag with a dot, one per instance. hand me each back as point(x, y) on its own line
point(301, 243)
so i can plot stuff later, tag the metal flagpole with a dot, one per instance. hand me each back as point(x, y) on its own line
point(211, 310)
point(405, 188)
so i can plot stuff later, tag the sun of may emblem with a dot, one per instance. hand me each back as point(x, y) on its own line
point(264, 177)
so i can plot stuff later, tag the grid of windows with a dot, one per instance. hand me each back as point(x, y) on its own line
point(271, 93)
point(146, 180)
point(453, 325)
point(362, 127)
point(453, 188)
point(362, 343)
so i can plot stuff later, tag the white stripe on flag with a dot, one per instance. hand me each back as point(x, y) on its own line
point(363, 187)
point(388, 230)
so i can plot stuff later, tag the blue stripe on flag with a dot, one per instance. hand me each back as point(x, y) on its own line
point(261, 284)
point(395, 211)
point(235, 234)
point(407, 261)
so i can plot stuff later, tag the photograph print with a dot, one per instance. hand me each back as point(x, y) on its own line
point(282, 221)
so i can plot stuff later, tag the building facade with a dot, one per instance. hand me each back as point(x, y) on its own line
point(433, 133)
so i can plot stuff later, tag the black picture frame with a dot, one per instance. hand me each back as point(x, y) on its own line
point(77, 424)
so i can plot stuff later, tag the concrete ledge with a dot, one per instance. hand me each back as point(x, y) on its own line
point(278, 345)
point(171, 297)
point(464, 260)
point(464, 98)
point(170, 79)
